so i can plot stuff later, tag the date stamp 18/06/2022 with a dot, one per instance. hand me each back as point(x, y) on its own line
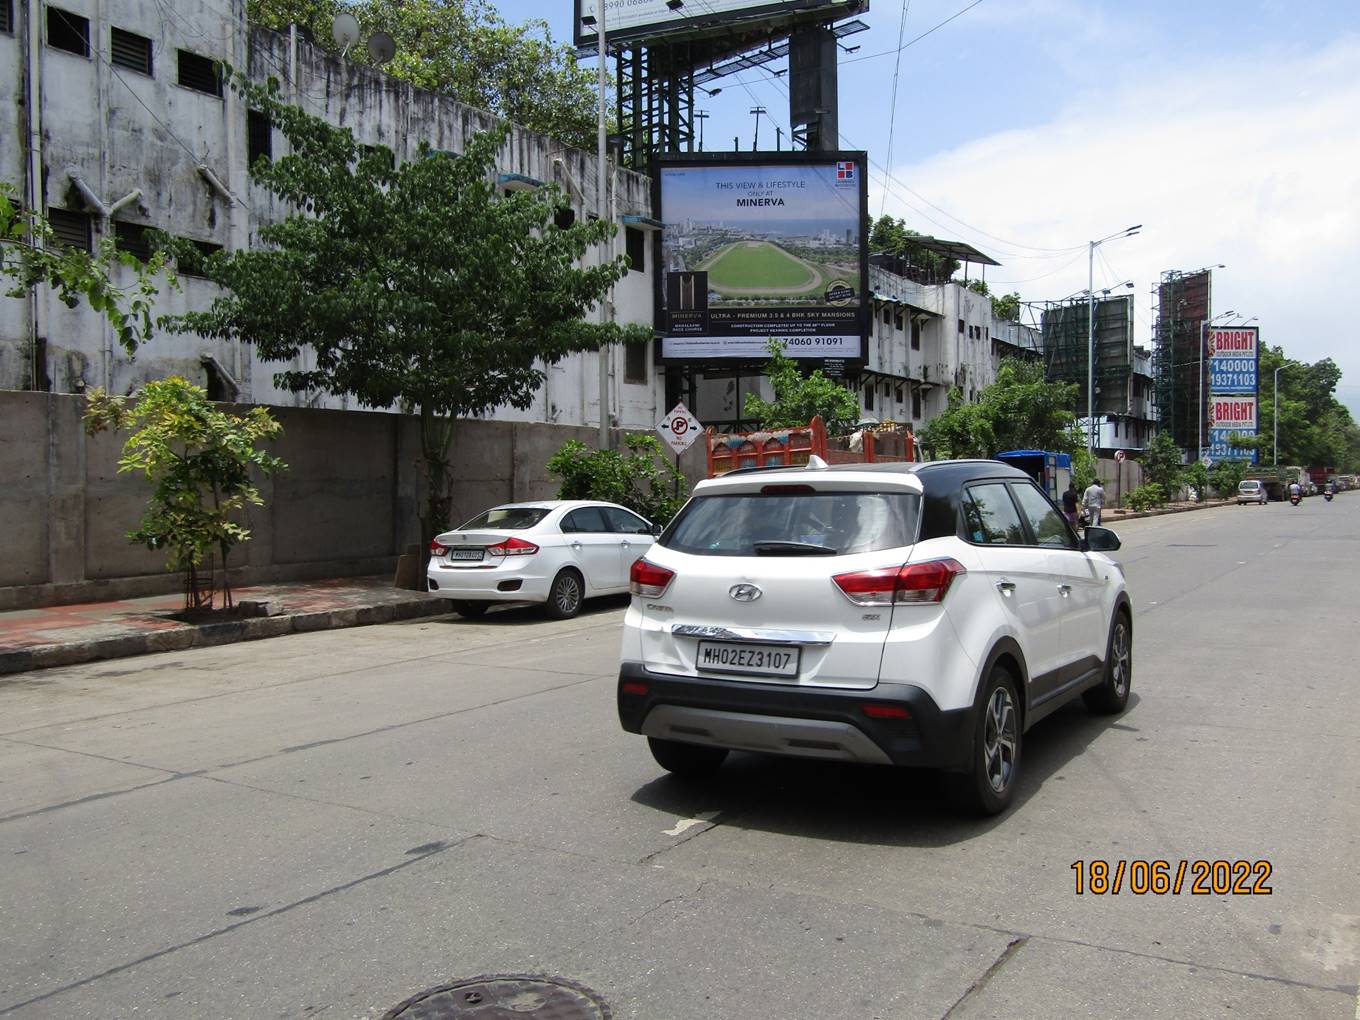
point(1161, 877)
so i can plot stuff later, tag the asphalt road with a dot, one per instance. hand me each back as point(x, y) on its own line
point(325, 824)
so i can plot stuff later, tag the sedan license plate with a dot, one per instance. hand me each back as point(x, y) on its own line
point(465, 554)
point(756, 660)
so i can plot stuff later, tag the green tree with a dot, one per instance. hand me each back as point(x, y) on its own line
point(465, 50)
point(1225, 475)
point(1162, 462)
point(415, 284)
point(894, 237)
point(30, 255)
point(198, 460)
point(798, 398)
point(1019, 411)
point(1007, 306)
point(643, 479)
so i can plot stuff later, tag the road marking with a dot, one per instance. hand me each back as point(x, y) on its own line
point(685, 824)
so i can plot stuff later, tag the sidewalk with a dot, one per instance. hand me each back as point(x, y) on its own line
point(66, 635)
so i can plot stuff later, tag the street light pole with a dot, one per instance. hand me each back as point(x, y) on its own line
point(601, 210)
point(1275, 444)
point(1091, 330)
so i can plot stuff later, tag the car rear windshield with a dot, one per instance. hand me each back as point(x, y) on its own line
point(1249, 486)
point(507, 518)
point(794, 524)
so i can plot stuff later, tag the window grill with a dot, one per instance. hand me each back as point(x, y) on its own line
point(133, 238)
point(71, 229)
point(193, 264)
point(7, 16)
point(200, 73)
point(127, 49)
point(67, 31)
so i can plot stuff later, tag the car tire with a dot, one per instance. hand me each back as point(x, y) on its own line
point(1112, 694)
point(691, 761)
point(565, 596)
point(470, 610)
point(988, 786)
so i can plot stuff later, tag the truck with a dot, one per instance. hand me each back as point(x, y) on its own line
point(782, 447)
point(1053, 471)
point(1276, 481)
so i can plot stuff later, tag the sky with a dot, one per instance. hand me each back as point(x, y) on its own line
point(1229, 129)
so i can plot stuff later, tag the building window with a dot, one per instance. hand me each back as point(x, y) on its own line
point(564, 217)
point(897, 321)
point(127, 49)
point(915, 335)
point(259, 137)
point(132, 238)
point(192, 265)
point(916, 405)
point(71, 229)
point(960, 327)
point(7, 16)
point(635, 363)
point(887, 315)
point(869, 396)
point(635, 245)
point(200, 73)
point(67, 31)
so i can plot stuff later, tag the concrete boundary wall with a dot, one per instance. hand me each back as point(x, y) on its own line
point(346, 506)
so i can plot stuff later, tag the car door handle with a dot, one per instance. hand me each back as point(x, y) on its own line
point(1065, 590)
point(1006, 588)
point(576, 545)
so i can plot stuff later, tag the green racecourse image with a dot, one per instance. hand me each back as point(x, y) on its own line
point(754, 269)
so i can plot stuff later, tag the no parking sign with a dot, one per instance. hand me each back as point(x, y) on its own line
point(679, 429)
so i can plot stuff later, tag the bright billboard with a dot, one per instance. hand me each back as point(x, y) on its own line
point(759, 246)
point(1233, 358)
point(634, 19)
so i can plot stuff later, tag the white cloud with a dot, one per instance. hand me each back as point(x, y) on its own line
point(1252, 160)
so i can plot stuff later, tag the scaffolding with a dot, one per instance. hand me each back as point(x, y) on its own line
point(1066, 328)
point(1180, 312)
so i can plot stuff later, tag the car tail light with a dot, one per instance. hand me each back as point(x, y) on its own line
point(648, 579)
point(878, 711)
point(634, 687)
point(437, 548)
point(512, 547)
point(908, 584)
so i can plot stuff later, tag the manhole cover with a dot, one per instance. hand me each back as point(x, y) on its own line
point(504, 997)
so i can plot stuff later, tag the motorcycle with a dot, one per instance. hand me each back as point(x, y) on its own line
point(1295, 499)
point(1327, 496)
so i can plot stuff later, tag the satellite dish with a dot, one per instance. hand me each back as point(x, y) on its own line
point(381, 47)
point(345, 30)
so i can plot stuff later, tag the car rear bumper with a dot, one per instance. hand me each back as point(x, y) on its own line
point(806, 722)
point(498, 585)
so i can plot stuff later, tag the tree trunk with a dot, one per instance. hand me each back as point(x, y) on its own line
point(436, 436)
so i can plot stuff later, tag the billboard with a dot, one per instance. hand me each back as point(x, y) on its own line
point(1233, 356)
point(634, 19)
point(762, 245)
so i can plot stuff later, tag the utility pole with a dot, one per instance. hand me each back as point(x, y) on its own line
point(602, 209)
point(701, 116)
point(755, 143)
point(778, 138)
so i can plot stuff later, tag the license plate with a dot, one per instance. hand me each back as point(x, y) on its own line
point(465, 554)
point(756, 660)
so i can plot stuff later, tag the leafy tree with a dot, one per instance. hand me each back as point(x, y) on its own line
point(894, 237)
point(643, 480)
point(1007, 306)
point(1197, 475)
point(30, 255)
point(198, 460)
point(1162, 462)
point(1019, 411)
point(980, 287)
point(465, 50)
point(1225, 475)
point(798, 398)
point(415, 284)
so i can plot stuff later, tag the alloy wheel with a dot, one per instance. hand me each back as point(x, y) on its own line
point(567, 595)
point(1122, 657)
point(999, 739)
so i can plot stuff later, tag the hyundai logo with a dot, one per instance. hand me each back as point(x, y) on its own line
point(744, 592)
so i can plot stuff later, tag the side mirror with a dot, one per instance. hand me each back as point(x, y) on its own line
point(657, 529)
point(1100, 540)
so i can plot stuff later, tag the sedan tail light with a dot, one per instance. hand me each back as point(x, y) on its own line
point(512, 547)
point(437, 548)
point(648, 579)
point(909, 584)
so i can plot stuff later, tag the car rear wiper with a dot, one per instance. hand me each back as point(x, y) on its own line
point(793, 549)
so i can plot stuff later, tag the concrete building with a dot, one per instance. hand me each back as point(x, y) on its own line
point(1132, 430)
point(114, 120)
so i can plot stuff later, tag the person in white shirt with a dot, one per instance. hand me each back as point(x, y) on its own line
point(1093, 501)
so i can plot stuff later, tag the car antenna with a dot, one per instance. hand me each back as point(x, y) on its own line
point(816, 463)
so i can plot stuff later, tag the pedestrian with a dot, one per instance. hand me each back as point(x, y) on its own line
point(1093, 501)
point(1069, 501)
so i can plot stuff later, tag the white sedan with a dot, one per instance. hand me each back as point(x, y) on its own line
point(557, 552)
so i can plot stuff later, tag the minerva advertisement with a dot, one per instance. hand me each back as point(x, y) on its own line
point(754, 250)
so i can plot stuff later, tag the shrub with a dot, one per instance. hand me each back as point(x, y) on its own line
point(644, 479)
point(1145, 497)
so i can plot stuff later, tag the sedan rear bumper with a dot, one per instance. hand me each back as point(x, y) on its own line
point(805, 722)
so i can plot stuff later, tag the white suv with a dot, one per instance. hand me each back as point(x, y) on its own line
point(905, 614)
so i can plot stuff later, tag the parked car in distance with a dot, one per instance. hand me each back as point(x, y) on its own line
point(904, 614)
point(554, 552)
point(1252, 490)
